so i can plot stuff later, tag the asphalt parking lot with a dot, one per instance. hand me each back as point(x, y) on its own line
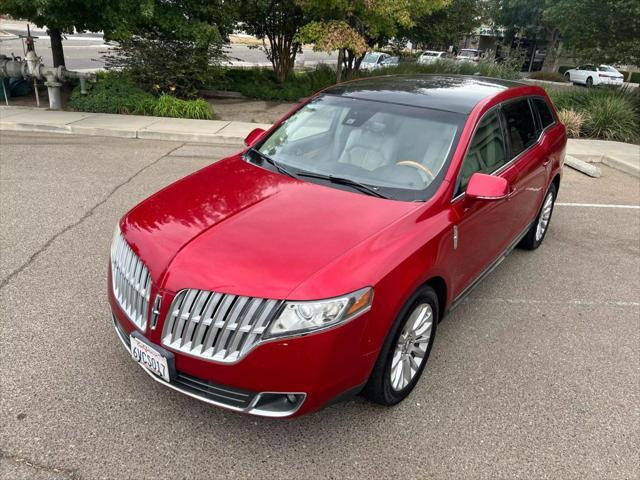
point(535, 375)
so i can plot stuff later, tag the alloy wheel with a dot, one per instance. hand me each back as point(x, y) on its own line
point(545, 215)
point(411, 348)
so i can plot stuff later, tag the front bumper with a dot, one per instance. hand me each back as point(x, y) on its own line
point(284, 378)
point(265, 404)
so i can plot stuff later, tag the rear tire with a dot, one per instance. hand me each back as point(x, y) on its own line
point(406, 347)
point(534, 237)
point(567, 77)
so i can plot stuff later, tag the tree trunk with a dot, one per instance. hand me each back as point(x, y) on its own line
point(339, 66)
point(282, 54)
point(56, 47)
point(533, 55)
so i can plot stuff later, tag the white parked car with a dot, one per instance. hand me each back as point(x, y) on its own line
point(373, 61)
point(468, 55)
point(592, 75)
point(431, 56)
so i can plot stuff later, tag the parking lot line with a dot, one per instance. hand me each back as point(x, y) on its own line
point(527, 301)
point(597, 205)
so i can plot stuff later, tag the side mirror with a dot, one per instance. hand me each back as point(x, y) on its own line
point(487, 187)
point(253, 136)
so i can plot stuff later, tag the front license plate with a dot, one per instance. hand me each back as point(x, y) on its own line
point(150, 358)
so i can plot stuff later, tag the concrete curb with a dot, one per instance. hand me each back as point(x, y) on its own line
point(624, 157)
point(582, 166)
point(213, 132)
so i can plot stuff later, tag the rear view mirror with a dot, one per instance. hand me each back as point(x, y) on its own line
point(487, 187)
point(253, 136)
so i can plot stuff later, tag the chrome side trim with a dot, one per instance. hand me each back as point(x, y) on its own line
point(251, 409)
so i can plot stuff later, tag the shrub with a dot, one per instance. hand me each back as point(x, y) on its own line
point(175, 66)
point(115, 93)
point(573, 122)
point(547, 76)
point(609, 113)
point(611, 118)
point(169, 106)
point(261, 83)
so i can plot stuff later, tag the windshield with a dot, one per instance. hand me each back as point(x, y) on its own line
point(607, 68)
point(371, 58)
point(400, 151)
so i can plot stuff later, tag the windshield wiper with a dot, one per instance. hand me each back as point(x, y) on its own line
point(344, 181)
point(271, 161)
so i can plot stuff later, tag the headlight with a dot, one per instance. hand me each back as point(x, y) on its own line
point(303, 317)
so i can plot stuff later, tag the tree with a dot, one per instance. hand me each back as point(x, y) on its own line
point(167, 46)
point(599, 31)
point(522, 19)
point(64, 16)
point(331, 36)
point(443, 27)
point(279, 22)
point(374, 21)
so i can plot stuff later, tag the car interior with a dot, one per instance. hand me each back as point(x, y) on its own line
point(364, 142)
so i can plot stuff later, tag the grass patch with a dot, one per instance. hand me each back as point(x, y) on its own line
point(117, 94)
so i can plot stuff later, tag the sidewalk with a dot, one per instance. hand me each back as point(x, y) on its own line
point(214, 132)
point(618, 155)
point(621, 156)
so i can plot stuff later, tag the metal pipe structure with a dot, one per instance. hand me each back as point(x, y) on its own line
point(31, 67)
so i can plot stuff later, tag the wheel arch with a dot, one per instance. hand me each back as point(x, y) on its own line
point(439, 285)
point(556, 182)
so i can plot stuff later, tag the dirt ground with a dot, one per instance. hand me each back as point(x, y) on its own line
point(249, 110)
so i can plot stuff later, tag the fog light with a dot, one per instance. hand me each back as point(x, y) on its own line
point(291, 398)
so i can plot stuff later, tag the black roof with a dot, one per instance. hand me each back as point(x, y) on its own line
point(455, 93)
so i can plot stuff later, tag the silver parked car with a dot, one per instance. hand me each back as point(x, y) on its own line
point(431, 56)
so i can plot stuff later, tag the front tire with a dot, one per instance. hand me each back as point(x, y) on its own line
point(406, 350)
point(534, 237)
point(567, 77)
point(589, 82)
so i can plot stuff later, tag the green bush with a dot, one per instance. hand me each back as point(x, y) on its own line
point(169, 106)
point(261, 82)
point(115, 93)
point(609, 113)
point(611, 118)
point(547, 76)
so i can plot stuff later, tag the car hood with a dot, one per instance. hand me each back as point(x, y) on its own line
point(238, 228)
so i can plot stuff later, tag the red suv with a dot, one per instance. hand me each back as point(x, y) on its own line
point(316, 263)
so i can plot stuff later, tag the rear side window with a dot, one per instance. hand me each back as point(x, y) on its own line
point(544, 112)
point(487, 152)
point(521, 127)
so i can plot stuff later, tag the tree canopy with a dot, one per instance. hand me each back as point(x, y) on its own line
point(606, 31)
point(443, 27)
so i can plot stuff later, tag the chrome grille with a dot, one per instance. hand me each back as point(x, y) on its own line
point(216, 326)
point(131, 282)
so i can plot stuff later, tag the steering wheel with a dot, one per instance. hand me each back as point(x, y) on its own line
point(419, 166)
